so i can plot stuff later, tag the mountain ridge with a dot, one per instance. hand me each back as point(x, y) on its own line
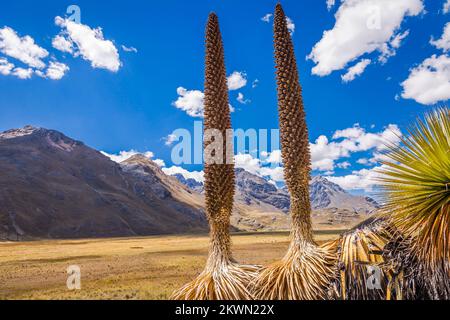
point(53, 186)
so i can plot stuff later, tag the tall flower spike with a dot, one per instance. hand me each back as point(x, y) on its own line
point(223, 278)
point(306, 271)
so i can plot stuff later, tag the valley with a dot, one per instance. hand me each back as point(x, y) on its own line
point(123, 268)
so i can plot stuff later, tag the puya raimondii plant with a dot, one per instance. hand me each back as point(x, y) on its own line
point(223, 278)
point(307, 269)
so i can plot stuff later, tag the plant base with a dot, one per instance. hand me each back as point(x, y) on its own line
point(305, 273)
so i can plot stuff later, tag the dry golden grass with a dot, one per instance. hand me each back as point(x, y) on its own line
point(132, 268)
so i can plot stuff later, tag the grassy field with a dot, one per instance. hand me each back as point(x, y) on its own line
point(132, 268)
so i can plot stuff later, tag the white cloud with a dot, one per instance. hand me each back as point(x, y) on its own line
point(267, 17)
point(196, 175)
point(160, 163)
point(354, 132)
point(170, 139)
point(23, 49)
point(124, 155)
point(255, 83)
point(241, 99)
point(362, 27)
point(429, 82)
point(365, 179)
point(444, 42)
point(330, 4)
point(447, 6)
point(363, 161)
point(5, 67)
point(290, 25)
point(326, 153)
point(23, 73)
point(274, 157)
point(397, 41)
point(256, 167)
point(90, 44)
point(129, 49)
point(389, 50)
point(190, 101)
point(62, 44)
point(379, 157)
point(56, 70)
point(344, 165)
point(356, 70)
point(237, 80)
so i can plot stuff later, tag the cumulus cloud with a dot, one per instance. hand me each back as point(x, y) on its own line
point(356, 70)
point(362, 27)
point(444, 42)
point(365, 179)
point(274, 157)
point(124, 155)
point(23, 73)
point(326, 153)
point(129, 49)
point(237, 80)
point(363, 161)
point(260, 168)
point(330, 4)
point(23, 49)
point(241, 99)
point(56, 70)
point(160, 163)
point(290, 25)
point(255, 83)
point(429, 82)
point(344, 165)
point(90, 44)
point(447, 6)
point(267, 17)
point(198, 176)
point(62, 44)
point(5, 67)
point(190, 101)
point(170, 139)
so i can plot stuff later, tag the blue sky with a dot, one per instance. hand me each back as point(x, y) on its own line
point(131, 106)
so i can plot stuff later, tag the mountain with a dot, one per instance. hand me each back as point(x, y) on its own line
point(246, 216)
point(52, 186)
point(332, 206)
point(252, 190)
point(190, 183)
point(326, 194)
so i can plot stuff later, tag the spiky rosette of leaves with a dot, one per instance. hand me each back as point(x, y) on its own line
point(306, 270)
point(416, 187)
point(222, 278)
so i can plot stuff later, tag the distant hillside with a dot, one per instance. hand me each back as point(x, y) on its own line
point(332, 206)
point(52, 186)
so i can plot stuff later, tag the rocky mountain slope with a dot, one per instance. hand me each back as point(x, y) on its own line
point(52, 186)
point(332, 206)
